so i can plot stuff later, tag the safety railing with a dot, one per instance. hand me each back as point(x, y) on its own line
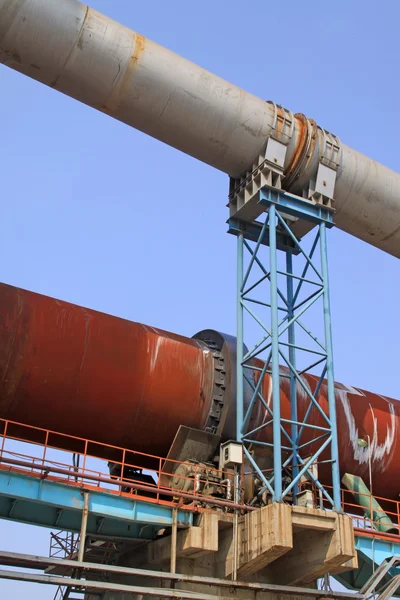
point(98, 466)
point(373, 516)
point(369, 519)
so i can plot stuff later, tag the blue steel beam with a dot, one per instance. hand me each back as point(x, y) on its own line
point(293, 205)
point(47, 503)
point(276, 393)
point(329, 369)
point(371, 554)
point(239, 343)
point(376, 550)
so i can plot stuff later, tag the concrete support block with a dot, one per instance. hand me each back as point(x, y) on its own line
point(349, 565)
point(191, 543)
point(316, 550)
point(278, 544)
point(311, 518)
point(267, 536)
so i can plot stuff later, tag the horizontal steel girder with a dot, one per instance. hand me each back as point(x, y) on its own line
point(50, 504)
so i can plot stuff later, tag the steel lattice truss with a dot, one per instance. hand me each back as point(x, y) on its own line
point(275, 304)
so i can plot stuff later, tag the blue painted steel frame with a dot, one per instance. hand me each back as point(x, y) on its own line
point(51, 504)
point(372, 552)
point(376, 550)
point(276, 233)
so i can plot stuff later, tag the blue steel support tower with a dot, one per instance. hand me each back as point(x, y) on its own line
point(275, 301)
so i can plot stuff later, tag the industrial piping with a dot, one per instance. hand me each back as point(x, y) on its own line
point(87, 374)
point(80, 52)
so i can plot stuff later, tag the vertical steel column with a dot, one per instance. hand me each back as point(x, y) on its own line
point(82, 539)
point(174, 536)
point(235, 525)
point(329, 369)
point(276, 396)
point(292, 359)
point(239, 333)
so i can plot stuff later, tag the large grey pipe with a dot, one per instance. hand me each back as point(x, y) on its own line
point(76, 50)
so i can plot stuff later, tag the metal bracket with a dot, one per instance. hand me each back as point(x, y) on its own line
point(321, 191)
point(244, 193)
point(268, 170)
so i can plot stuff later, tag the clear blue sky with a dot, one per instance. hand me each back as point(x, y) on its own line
point(99, 214)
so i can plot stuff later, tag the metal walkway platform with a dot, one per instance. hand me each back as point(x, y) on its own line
point(37, 489)
point(38, 501)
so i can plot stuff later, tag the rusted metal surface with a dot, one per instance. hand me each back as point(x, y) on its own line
point(78, 371)
point(121, 88)
point(87, 374)
point(292, 169)
point(361, 415)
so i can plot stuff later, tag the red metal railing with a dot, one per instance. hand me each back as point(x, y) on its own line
point(41, 460)
point(366, 518)
point(162, 471)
